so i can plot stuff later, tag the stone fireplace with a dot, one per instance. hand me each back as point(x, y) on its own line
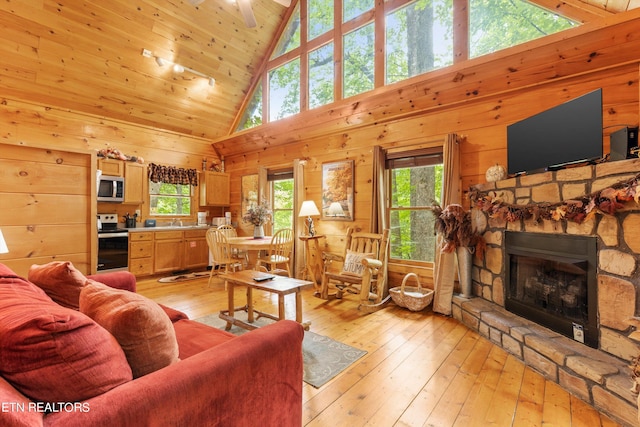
point(606, 312)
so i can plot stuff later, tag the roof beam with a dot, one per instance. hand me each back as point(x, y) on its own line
point(576, 10)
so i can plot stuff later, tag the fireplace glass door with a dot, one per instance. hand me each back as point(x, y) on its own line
point(553, 283)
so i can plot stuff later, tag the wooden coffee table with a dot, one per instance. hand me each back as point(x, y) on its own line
point(279, 285)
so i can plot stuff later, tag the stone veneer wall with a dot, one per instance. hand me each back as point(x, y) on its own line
point(618, 242)
point(601, 377)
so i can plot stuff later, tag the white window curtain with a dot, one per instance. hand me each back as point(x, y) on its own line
point(445, 265)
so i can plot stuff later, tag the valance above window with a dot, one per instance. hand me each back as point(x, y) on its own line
point(173, 175)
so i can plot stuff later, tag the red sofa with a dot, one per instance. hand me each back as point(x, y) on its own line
point(220, 380)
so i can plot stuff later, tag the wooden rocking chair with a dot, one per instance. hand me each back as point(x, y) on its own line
point(364, 270)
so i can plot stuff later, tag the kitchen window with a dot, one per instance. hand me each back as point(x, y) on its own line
point(171, 190)
point(170, 199)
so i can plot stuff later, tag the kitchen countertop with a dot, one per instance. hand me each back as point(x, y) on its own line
point(168, 228)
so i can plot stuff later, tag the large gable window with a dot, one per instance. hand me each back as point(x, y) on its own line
point(499, 24)
point(358, 61)
point(321, 76)
point(320, 18)
point(284, 90)
point(418, 39)
point(326, 54)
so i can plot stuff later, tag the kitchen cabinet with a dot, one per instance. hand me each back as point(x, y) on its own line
point(134, 183)
point(135, 177)
point(196, 250)
point(141, 253)
point(111, 167)
point(168, 251)
point(214, 189)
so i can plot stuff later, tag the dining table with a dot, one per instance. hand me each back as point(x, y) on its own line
point(252, 246)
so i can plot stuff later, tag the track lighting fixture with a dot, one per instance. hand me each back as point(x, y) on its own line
point(177, 68)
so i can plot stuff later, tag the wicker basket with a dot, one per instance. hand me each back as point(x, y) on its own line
point(411, 297)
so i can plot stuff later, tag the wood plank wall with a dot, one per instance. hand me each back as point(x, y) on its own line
point(47, 163)
point(476, 102)
point(47, 212)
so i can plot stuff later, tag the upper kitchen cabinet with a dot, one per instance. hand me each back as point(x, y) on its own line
point(134, 179)
point(111, 167)
point(214, 189)
point(135, 175)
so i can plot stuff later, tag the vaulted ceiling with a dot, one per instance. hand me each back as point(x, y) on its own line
point(86, 56)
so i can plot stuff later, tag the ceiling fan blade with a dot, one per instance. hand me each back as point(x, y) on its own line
point(247, 13)
point(285, 3)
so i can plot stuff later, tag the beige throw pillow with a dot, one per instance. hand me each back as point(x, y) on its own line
point(353, 262)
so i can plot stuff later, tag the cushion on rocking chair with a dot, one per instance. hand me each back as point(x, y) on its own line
point(353, 262)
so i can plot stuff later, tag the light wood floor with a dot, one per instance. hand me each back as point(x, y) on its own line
point(421, 369)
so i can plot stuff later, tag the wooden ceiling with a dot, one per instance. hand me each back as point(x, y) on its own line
point(86, 56)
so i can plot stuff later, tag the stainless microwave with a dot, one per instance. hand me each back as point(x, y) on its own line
point(111, 189)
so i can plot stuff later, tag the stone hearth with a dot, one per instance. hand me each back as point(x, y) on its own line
point(599, 376)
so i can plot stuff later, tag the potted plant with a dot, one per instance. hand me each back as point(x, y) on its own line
point(453, 224)
point(258, 215)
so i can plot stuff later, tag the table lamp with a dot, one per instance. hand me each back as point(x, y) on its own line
point(3, 245)
point(309, 209)
point(335, 209)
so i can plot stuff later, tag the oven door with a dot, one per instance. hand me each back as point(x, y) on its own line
point(113, 251)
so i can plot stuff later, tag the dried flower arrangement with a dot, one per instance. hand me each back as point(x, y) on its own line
point(258, 214)
point(453, 223)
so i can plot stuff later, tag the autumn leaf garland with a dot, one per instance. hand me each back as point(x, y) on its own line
point(607, 201)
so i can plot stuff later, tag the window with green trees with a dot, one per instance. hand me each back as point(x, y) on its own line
point(284, 92)
point(169, 199)
point(499, 24)
point(415, 184)
point(282, 190)
point(418, 37)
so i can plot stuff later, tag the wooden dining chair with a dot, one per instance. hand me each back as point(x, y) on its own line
point(229, 231)
point(221, 254)
point(279, 253)
point(363, 272)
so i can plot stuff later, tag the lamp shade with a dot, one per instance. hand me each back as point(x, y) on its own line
point(335, 209)
point(309, 208)
point(3, 245)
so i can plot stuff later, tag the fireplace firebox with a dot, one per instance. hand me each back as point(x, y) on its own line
point(551, 280)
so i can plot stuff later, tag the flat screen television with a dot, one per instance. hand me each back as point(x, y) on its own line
point(565, 134)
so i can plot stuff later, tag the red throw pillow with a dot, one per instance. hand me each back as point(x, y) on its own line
point(51, 353)
point(140, 325)
point(60, 280)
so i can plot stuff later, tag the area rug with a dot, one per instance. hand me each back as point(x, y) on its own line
point(323, 357)
point(184, 277)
